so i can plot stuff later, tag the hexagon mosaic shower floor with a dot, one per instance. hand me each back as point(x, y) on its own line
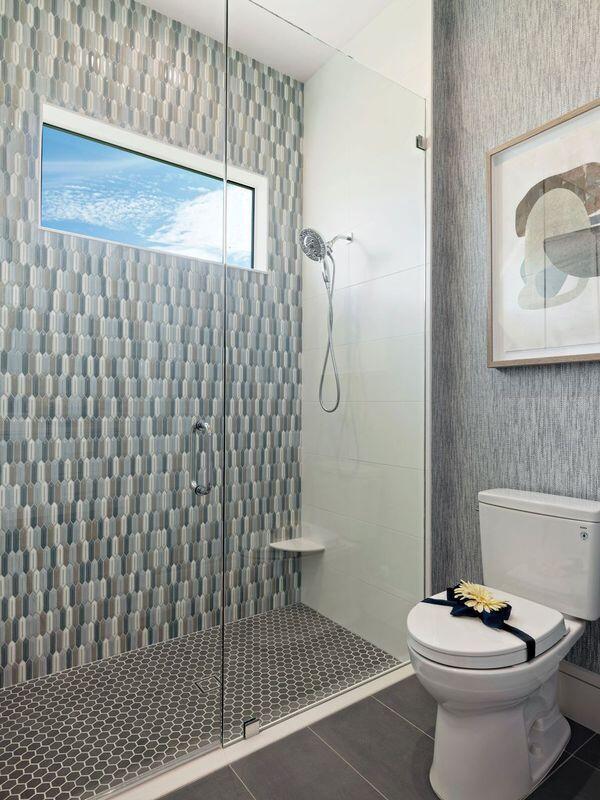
point(89, 730)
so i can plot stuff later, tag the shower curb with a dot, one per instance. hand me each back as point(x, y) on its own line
point(180, 775)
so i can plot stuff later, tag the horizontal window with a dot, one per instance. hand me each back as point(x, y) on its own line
point(111, 191)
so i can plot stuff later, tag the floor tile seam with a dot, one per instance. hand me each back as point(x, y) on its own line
point(587, 763)
point(556, 766)
point(246, 788)
point(398, 714)
point(345, 760)
point(587, 741)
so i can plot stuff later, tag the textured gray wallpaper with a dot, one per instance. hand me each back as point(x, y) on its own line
point(108, 353)
point(501, 67)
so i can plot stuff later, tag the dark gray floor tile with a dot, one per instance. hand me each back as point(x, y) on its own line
point(301, 767)
point(579, 736)
point(392, 754)
point(575, 780)
point(590, 752)
point(410, 699)
point(221, 785)
point(557, 764)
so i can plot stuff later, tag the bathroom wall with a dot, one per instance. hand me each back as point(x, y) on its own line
point(501, 67)
point(103, 547)
point(362, 466)
point(397, 44)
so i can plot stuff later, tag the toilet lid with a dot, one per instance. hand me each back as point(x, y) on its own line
point(466, 642)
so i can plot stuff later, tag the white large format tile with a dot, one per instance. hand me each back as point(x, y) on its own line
point(362, 467)
point(363, 173)
point(385, 433)
point(387, 370)
point(376, 615)
point(387, 559)
point(388, 307)
point(374, 493)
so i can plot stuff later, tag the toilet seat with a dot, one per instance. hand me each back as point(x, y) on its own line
point(467, 643)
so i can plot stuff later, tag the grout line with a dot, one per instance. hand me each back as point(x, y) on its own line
point(429, 736)
point(577, 749)
point(337, 459)
point(587, 763)
point(242, 782)
point(555, 767)
point(418, 537)
point(320, 349)
point(382, 589)
point(370, 402)
point(339, 755)
point(583, 761)
point(316, 293)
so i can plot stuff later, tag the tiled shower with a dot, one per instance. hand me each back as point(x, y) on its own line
point(113, 571)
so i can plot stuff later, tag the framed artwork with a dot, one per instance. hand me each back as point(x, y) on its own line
point(544, 243)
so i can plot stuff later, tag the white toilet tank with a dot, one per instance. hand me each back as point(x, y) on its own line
point(543, 547)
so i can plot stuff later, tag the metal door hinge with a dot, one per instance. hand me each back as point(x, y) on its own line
point(251, 727)
point(421, 142)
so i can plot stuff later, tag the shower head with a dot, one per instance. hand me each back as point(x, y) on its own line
point(313, 244)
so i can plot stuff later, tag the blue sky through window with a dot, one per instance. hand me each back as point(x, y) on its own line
point(95, 189)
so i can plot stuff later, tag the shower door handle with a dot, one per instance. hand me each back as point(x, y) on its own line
point(202, 433)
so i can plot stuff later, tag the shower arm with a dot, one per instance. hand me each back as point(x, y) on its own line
point(345, 237)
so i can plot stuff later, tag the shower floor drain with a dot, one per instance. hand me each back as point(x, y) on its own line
point(84, 731)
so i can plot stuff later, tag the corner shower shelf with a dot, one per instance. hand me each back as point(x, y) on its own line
point(300, 544)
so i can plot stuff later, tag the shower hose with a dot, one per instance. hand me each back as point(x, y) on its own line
point(329, 353)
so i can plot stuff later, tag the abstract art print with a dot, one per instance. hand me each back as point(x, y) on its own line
point(544, 243)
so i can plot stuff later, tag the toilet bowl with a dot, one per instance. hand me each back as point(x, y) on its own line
point(499, 729)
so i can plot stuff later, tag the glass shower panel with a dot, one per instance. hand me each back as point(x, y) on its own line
point(111, 389)
point(323, 511)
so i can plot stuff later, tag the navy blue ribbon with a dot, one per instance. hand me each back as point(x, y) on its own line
point(493, 619)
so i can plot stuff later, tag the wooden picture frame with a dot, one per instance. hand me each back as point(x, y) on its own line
point(542, 185)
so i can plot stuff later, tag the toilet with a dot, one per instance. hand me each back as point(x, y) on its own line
point(499, 729)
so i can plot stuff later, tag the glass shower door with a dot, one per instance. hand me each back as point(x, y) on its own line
point(323, 512)
point(111, 390)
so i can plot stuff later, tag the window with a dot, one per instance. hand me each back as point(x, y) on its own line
point(105, 183)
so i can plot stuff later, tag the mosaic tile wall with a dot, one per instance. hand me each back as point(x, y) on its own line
point(108, 353)
point(264, 341)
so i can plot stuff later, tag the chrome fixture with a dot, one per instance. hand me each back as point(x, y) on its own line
point(202, 434)
point(317, 249)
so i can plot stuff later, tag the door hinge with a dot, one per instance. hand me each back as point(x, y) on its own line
point(421, 142)
point(251, 727)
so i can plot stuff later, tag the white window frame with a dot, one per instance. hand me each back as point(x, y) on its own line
point(144, 145)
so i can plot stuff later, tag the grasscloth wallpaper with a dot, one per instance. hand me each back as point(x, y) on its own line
point(501, 67)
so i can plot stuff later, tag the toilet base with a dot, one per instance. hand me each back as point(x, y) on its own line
point(500, 753)
point(498, 731)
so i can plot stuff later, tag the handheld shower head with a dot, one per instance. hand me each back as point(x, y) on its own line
point(315, 247)
point(313, 244)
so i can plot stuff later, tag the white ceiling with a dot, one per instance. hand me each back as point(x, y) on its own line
point(333, 21)
point(270, 39)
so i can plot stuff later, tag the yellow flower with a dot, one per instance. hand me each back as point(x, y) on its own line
point(478, 597)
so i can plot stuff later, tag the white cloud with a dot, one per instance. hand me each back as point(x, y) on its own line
point(196, 228)
point(186, 227)
point(107, 209)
